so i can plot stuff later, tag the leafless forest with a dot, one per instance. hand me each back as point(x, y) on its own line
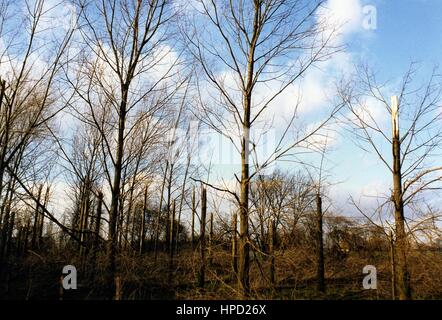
point(106, 110)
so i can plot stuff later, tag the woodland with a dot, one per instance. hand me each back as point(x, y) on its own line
point(107, 118)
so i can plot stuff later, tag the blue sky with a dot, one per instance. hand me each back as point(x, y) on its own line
point(406, 30)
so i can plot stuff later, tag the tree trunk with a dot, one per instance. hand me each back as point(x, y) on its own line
point(36, 219)
point(113, 214)
point(235, 244)
point(171, 240)
point(118, 288)
point(403, 277)
point(211, 239)
point(26, 236)
point(96, 243)
point(6, 209)
point(120, 221)
point(192, 239)
point(320, 270)
point(169, 197)
point(130, 211)
point(4, 236)
point(18, 244)
point(392, 267)
point(98, 220)
point(9, 238)
point(244, 259)
point(183, 190)
point(42, 218)
point(202, 270)
point(244, 246)
point(272, 240)
point(143, 223)
point(3, 110)
point(157, 225)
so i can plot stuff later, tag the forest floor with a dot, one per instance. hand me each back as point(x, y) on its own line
point(38, 277)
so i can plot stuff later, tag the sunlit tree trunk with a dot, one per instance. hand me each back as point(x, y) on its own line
point(403, 277)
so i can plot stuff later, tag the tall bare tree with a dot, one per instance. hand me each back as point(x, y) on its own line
point(128, 41)
point(408, 148)
point(243, 48)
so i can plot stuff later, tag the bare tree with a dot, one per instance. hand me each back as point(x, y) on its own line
point(258, 44)
point(30, 62)
point(128, 41)
point(414, 143)
point(28, 94)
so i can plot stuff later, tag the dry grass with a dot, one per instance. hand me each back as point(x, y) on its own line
point(143, 278)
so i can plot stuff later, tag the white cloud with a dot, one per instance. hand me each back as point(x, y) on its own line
point(347, 15)
point(372, 112)
point(190, 6)
point(320, 135)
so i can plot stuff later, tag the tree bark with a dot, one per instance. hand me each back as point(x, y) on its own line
point(171, 240)
point(113, 214)
point(130, 213)
point(235, 244)
point(42, 218)
point(169, 199)
point(211, 239)
point(36, 219)
point(192, 239)
point(26, 236)
point(202, 270)
point(4, 228)
point(183, 191)
point(9, 238)
point(3, 109)
point(272, 240)
point(143, 222)
point(320, 270)
point(403, 276)
point(157, 224)
point(244, 246)
point(96, 243)
point(392, 267)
